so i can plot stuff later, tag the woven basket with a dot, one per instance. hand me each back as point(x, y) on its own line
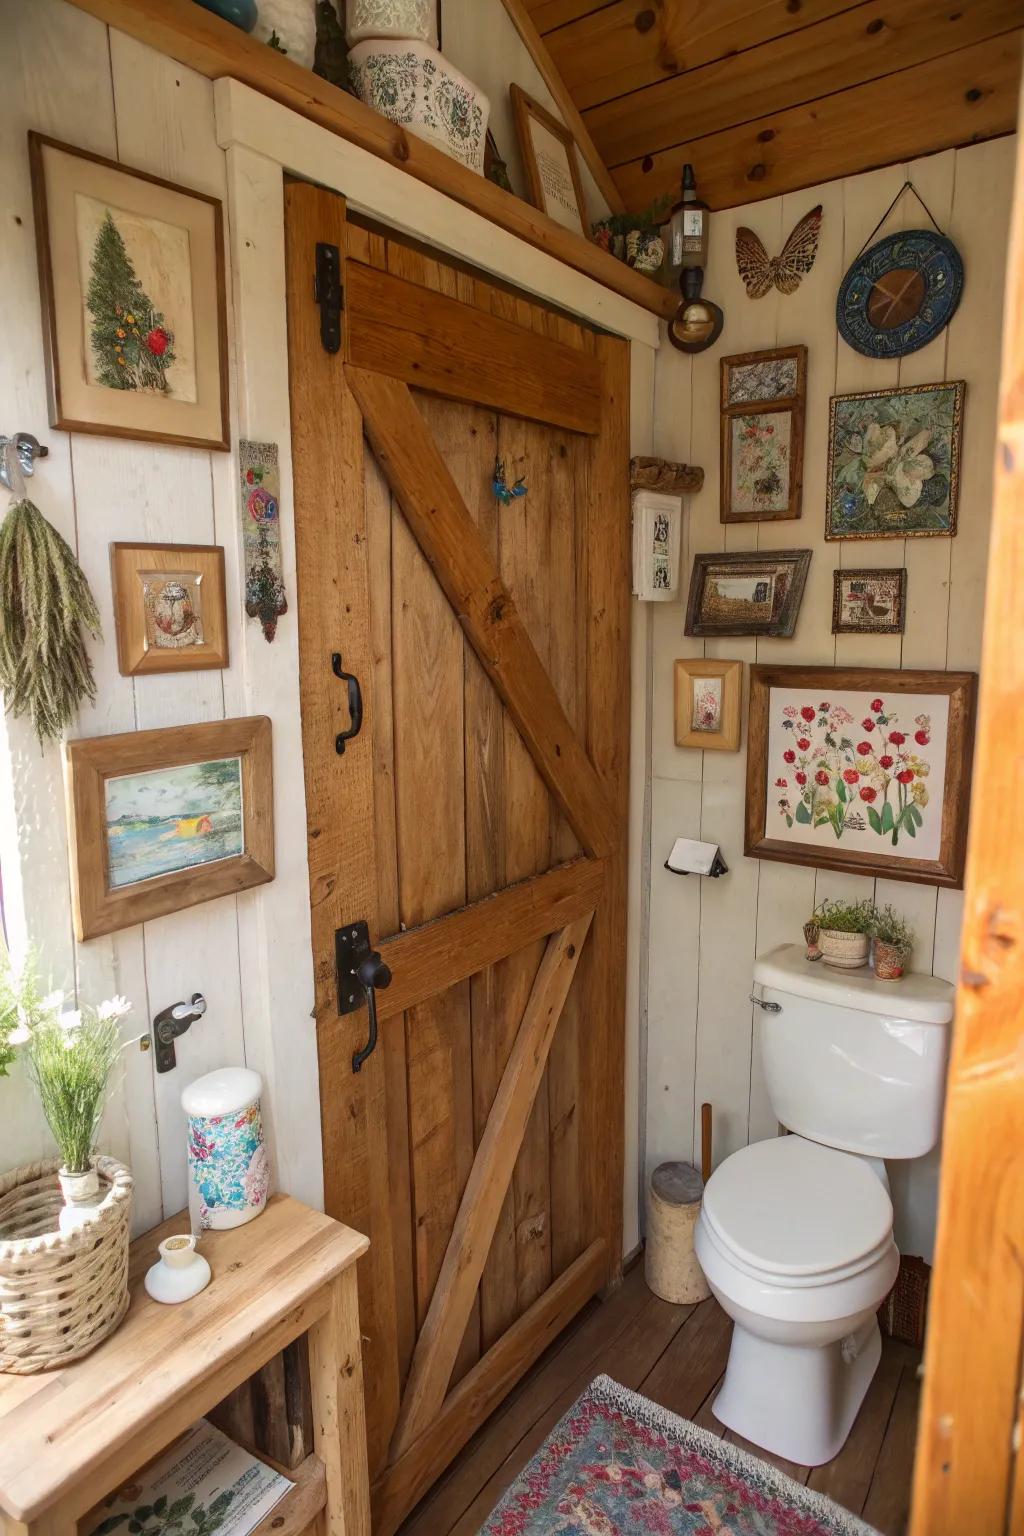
point(61, 1293)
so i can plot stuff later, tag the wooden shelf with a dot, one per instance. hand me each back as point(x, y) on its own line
point(301, 1504)
point(212, 47)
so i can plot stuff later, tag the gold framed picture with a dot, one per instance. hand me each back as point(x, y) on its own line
point(170, 612)
point(131, 273)
point(707, 704)
point(551, 162)
point(161, 820)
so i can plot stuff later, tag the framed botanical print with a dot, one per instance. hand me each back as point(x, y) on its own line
point(161, 820)
point(861, 770)
point(551, 163)
point(131, 271)
point(762, 453)
point(869, 602)
point(169, 607)
point(746, 593)
point(894, 462)
point(707, 703)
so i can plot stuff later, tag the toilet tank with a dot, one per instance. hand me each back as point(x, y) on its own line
point(851, 1061)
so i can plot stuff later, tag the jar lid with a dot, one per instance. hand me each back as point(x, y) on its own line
point(222, 1092)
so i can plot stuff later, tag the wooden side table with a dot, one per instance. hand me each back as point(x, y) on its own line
point(69, 1437)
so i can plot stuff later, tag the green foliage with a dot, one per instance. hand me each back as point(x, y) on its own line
point(132, 345)
point(890, 928)
point(183, 1518)
point(22, 1004)
point(45, 604)
point(651, 218)
point(845, 916)
point(70, 1059)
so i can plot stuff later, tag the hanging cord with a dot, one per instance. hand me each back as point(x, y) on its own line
point(889, 210)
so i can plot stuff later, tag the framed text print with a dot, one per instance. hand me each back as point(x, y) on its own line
point(131, 272)
point(861, 770)
point(549, 157)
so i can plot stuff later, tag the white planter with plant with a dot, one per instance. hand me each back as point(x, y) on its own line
point(64, 1222)
point(844, 933)
point(893, 944)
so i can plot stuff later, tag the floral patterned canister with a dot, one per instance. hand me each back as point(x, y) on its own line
point(228, 1167)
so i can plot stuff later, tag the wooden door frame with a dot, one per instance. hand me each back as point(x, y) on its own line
point(969, 1470)
point(334, 399)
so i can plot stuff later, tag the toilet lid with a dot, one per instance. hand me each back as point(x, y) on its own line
point(792, 1207)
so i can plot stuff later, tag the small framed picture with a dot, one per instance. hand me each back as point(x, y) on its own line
point(762, 452)
point(707, 704)
point(894, 462)
point(869, 602)
point(169, 608)
point(746, 593)
point(862, 770)
point(550, 160)
point(161, 820)
point(131, 271)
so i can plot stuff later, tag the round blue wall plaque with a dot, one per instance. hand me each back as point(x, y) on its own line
point(900, 294)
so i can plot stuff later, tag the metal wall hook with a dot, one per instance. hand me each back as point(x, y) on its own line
point(25, 449)
point(172, 1022)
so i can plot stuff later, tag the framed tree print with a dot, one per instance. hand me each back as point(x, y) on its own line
point(131, 273)
point(861, 770)
point(762, 454)
point(550, 161)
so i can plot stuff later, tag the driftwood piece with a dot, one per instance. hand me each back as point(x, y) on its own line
point(673, 1205)
point(662, 475)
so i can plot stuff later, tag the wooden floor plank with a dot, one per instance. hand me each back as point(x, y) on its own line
point(887, 1506)
point(693, 1362)
point(847, 1478)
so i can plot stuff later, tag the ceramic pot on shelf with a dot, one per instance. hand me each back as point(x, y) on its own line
point(413, 85)
point(412, 19)
point(82, 1194)
point(293, 22)
point(844, 951)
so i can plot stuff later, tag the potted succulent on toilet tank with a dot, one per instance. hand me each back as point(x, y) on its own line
point(844, 932)
point(894, 943)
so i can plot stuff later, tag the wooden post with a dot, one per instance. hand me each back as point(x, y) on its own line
point(339, 1417)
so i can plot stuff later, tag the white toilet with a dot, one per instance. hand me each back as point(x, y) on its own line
point(795, 1235)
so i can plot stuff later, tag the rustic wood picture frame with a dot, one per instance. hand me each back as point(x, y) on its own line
point(961, 690)
point(75, 405)
point(130, 565)
point(99, 907)
point(899, 622)
point(688, 672)
point(769, 398)
point(753, 563)
point(526, 111)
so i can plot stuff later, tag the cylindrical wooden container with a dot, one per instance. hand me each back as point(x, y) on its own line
point(673, 1205)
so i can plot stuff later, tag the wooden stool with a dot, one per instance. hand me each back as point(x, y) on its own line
point(673, 1205)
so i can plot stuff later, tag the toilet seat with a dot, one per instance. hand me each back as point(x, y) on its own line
point(796, 1214)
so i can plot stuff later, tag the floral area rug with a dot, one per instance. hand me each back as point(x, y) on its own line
point(618, 1465)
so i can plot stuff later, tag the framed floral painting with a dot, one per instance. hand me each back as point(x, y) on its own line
point(707, 703)
point(763, 399)
point(131, 271)
point(894, 462)
point(861, 770)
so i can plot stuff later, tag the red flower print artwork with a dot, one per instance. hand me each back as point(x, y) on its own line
point(871, 783)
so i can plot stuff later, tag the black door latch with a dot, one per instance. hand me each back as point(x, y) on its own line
point(360, 972)
point(327, 293)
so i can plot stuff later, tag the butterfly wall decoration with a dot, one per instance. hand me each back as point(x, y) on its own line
point(504, 492)
point(761, 272)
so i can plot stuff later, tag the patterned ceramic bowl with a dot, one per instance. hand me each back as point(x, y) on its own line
point(414, 85)
point(415, 19)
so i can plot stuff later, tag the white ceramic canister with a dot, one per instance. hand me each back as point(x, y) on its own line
point(416, 87)
point(414, 19)
point(228, 1167)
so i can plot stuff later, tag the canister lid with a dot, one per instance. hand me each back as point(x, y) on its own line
point(222, 1092)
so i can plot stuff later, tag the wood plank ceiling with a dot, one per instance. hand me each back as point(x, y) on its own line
point(766, 96)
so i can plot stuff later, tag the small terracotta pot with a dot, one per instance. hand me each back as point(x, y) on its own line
point(845, 951)
point(889, 961)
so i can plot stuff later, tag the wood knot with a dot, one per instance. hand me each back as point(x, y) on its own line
point(757, 172)
point(647, 164)
point(571, 951)
point(974, 94)
point(766, 135)
point(875, 26)
point(402, 148)
point(792, 6)
point(644, 21)
point(496, 610)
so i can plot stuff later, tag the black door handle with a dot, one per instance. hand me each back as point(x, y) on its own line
point(371, 973)
point(355, 702)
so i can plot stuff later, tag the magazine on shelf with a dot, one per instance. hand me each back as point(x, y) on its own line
point(203, 1483)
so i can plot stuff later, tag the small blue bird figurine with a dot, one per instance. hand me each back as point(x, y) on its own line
point(506, 493)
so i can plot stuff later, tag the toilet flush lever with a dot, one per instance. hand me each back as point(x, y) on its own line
point(768, 1007)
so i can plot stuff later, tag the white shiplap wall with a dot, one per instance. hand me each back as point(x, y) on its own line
point(702, 1040)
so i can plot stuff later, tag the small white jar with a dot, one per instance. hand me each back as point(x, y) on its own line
point(179, 1273)
point(228, 1167)
point(413, 19)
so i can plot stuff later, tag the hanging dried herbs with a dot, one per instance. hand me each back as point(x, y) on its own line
point(45, 607)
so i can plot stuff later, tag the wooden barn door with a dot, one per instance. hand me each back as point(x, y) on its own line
point(477, 822)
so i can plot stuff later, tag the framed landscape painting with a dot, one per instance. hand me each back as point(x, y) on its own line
point(161, 820)
point(861, 770)
point(131, 273)
point(746, 593)
point(763, 402)
point(894, 462)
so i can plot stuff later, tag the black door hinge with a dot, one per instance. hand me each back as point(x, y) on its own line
point(327, 292)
